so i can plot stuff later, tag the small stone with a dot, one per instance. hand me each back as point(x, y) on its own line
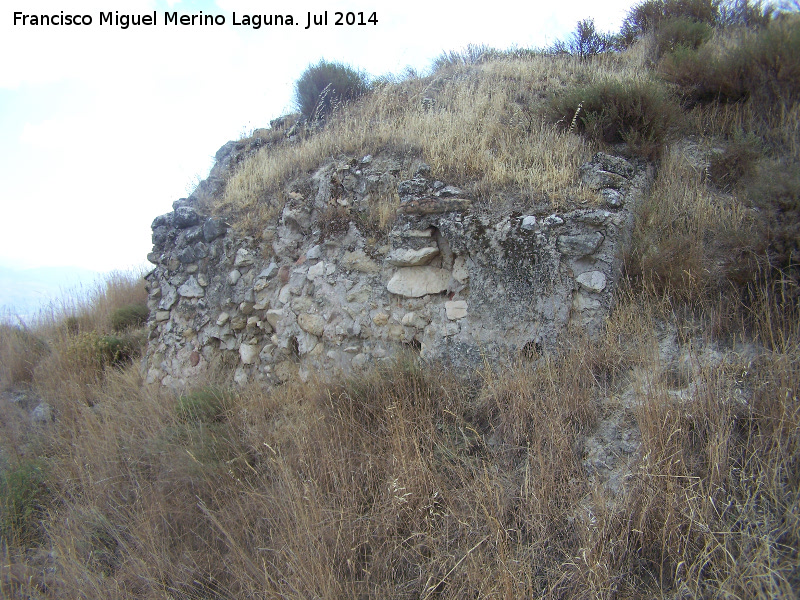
point(403, 257)
point(42, 413)
point(162, 315)
point(529, 222)
point(194, 358)
point(222, 319)
point(213, 228)
point(315, 271)
point(273, 316)
point(248, 353)
point(581, 244)
point(313, 324)
point(271, 269)
point(243, 258)
point(240, 376)
point(314, 253)
point(380, 319)
point(455, 309)
point(238, 322)
point(612, 198)
point(594, 281)
point(191, 289)
point(246, 308)
point(234, 276)
point(552, 220)
point(185, 216)
point(202, 280)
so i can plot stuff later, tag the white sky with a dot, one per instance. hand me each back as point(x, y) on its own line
point(102, 128)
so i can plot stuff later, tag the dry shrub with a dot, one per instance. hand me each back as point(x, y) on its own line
point(637, 112)
point(717, 482)
point(686, 242)
point(20, 351)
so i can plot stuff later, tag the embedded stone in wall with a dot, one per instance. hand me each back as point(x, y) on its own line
point(169, 296)
point(191, 289)
point(455, 309)
point(415, 282)
point(248, 353)
point(594, 281)
point(313, 324)
point(580, 244)
point(404, 257)
point(243, 258)
point(359, 261)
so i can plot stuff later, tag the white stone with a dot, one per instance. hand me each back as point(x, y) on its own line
point(191, 289)
point(243, 258)
point(314, 253)
point(285, 294)
point(415, 282)
point(162, 315)
point(318, 270)
point(594, 281)
point(240, 376)
point(456, 309)
point(313, 324)
point(223, 318)
point(248, 353)
point(169, 296)
point(273, 316)
point(404, 257)
point(553, 219)
point(234, 276)
point(529, 222)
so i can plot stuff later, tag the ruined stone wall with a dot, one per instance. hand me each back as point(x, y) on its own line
point(455, 281)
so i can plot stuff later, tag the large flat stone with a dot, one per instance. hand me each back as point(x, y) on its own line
point(415, 282)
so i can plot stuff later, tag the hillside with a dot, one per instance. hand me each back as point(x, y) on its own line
point(586, 385)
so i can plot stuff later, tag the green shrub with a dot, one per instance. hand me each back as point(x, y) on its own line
point(92, 351)
point(129, 316)
point(651, 14)
point(764, 66)
point(681, 32)
point(639, 113)
point(585, 41)
point(325, 85)
point(745, 13)
point(23, 498)
point(205, 405)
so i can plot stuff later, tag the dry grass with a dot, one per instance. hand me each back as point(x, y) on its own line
point(479, 126)
point(402, 483)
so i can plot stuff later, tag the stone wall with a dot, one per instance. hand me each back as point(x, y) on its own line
point(453, 280)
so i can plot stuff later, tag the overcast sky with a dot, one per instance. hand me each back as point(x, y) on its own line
point(103, 127)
